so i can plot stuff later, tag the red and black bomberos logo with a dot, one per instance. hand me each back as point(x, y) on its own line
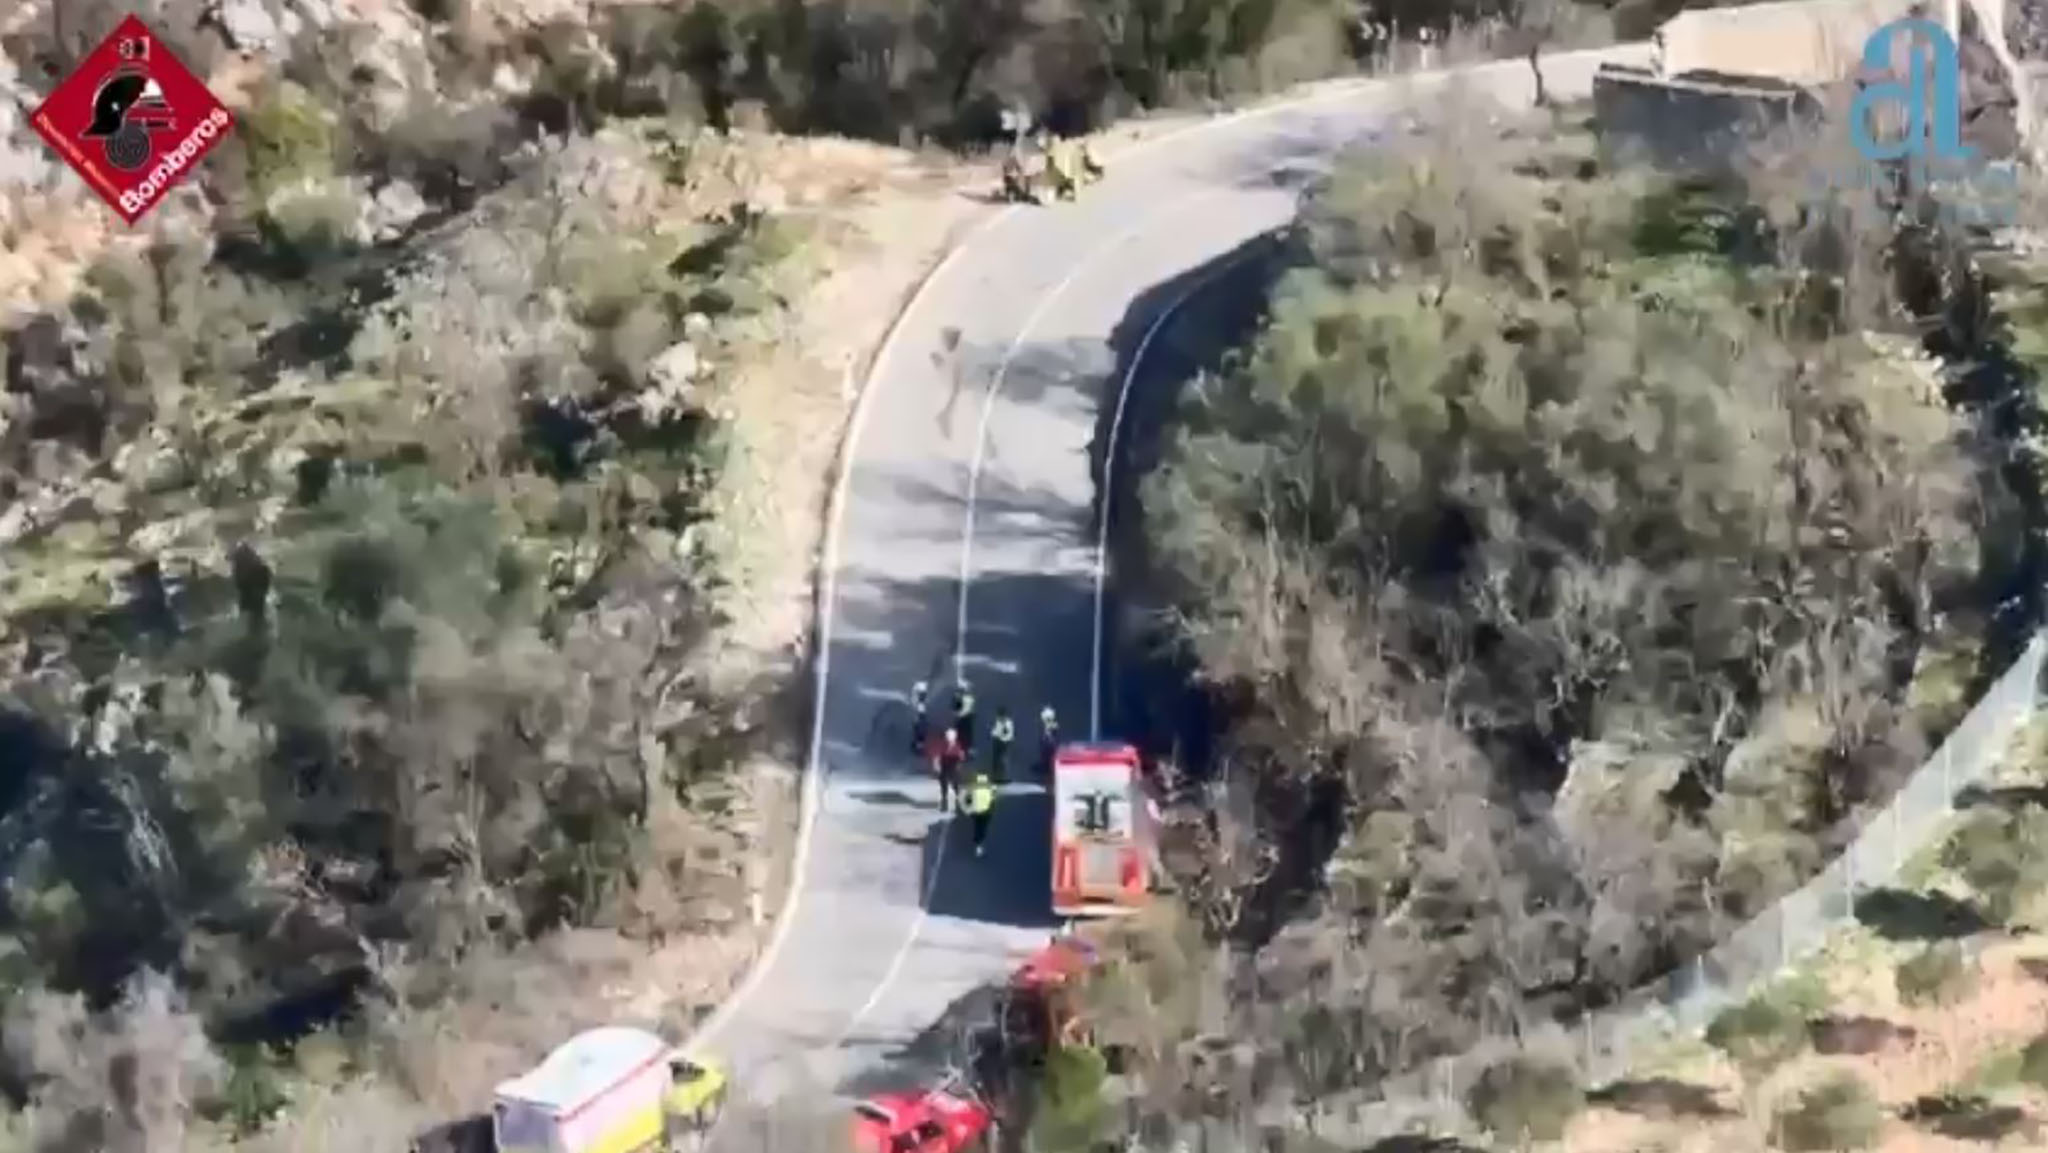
point(132, 119)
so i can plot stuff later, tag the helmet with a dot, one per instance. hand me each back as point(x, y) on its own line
point(920, 687)
point(952, 734)
point(1046, 714)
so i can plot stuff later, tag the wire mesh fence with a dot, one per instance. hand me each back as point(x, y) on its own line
point(1604, 1045)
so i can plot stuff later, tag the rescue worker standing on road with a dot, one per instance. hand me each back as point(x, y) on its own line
point(1059, 169)
point(947, 756)
point(1091, 168)
point(1000, 734)
point(1048, 739)
point(963, 714)
point(920, 701)
point(981, 803)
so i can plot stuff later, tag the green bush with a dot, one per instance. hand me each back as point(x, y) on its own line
point(255, 1090)
point(287, 137)
point(1760, 1033)
point(2034, 1062)
point(1524, 1100)
point(1840, 1113)
point(2003, 856)
point(1937, 975)
point(1073, 1113)
point(303, 228)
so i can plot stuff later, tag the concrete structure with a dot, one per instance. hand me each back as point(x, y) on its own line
point(1691, 123)
point(1819, 43)
point(1805, 42)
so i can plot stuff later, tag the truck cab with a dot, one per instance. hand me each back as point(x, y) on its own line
point(1104, 821)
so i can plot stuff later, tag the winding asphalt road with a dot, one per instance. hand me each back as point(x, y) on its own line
point(965, 537)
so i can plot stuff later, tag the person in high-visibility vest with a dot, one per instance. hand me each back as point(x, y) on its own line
point(1059, 169)
point(981, 802)
point(1000, 734)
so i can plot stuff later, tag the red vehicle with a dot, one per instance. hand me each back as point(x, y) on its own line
point(1103, 822)
point(1038, 1007)
point(936, 1120)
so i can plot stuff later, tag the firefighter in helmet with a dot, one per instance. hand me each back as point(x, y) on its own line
point(981, 804)
point(1001, 732)
point(963, 713)
point(920, 701)
point(1048, 739)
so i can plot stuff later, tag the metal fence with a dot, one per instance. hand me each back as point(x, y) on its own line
point(1604, 1045)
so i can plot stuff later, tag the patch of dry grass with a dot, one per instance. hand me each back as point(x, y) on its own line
point(1947, 1074)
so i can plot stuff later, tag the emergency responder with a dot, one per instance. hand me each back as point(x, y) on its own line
point(920, 702)
point(1091, 168)
point(1016, 181)
point(1048, 739)
point(947, 756)
point(1000, 733)
point(963, 714)
point(981, 802)
point(1059, 169)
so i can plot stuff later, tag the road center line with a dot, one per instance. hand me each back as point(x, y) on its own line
point(1046, 301)
point(877, 376)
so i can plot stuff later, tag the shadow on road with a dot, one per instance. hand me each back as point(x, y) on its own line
point(946, 1045)
point(1219, 305)
point(1010, 884)
point(890, 797)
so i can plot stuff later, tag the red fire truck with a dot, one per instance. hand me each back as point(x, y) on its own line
point(1104, 820)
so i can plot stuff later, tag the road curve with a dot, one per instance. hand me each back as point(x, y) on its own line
point(964, 535)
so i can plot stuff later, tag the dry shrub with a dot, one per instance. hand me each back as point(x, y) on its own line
point(449, 1035)
point(1940, 974)
point(1525, 1100)
point(350, 1117)
point(1839, 1113)
point(126, 1080)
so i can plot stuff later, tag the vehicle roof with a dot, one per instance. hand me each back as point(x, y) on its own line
point(585, 1067)
point(1064, 957)
point(1094, 752)
point(899, 1104)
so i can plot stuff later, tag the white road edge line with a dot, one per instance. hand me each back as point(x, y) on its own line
point(1109, 455)
point(827, 600)
point(829, 567)
point(1046, 301)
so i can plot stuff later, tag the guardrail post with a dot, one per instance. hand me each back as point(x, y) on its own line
point(1948, 780)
